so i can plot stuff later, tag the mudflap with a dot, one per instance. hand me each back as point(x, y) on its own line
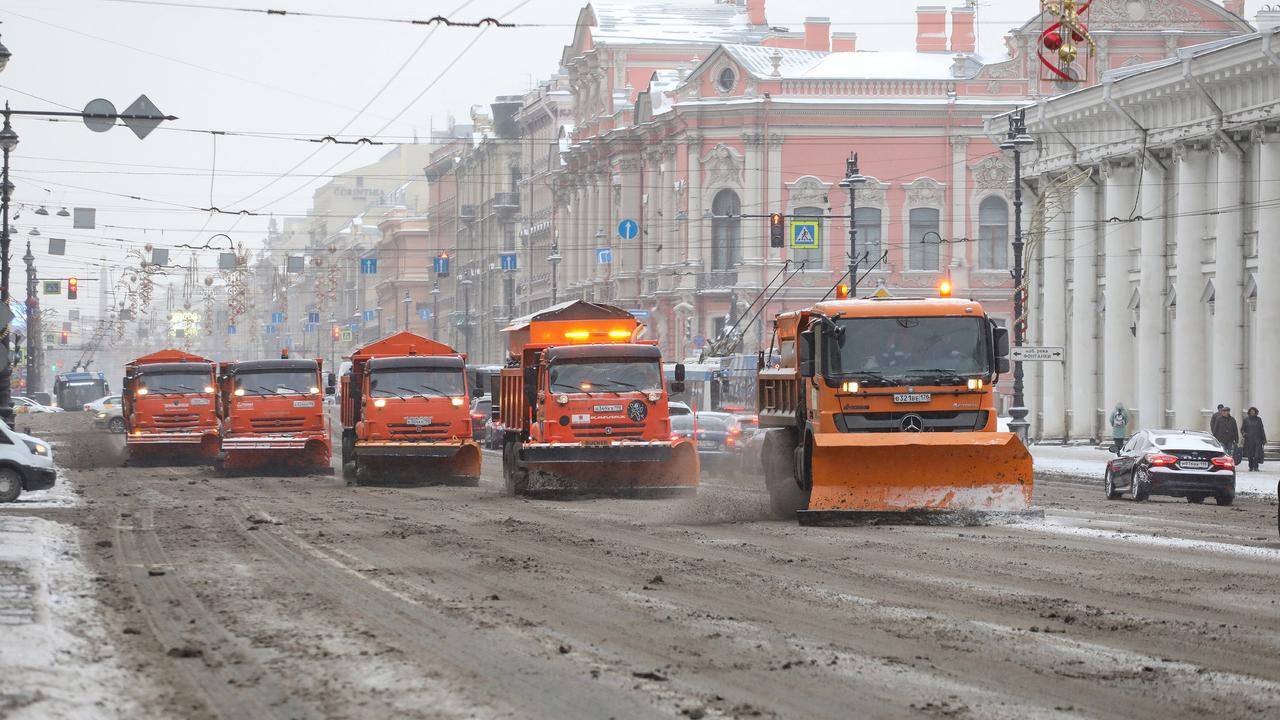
point(674, 476)
point(461, 468)
point(918, 478)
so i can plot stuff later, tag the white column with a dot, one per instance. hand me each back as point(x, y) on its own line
point(697, 226)
point(959, 202)
point(1266, 386)
point(1053, 326)
point(1228, 306)
point(753, 240)
point(1189, 383)
point(1082, 366)
point(1118, 244)
point(1151, 289)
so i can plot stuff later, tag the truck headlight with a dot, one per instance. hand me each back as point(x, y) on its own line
point(976, 383)
point(37, 448)
point(849, 387)
point(380, 402)
point(457, 402)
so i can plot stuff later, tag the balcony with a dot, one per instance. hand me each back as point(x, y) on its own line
point(506, 204)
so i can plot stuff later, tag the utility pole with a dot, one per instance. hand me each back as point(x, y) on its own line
point(435, 311)
point(33, 323)
point(8, 141)
point(407, 302)
point(1015, 141)
point(465, 284)
point(852, 179)
point(554, 259)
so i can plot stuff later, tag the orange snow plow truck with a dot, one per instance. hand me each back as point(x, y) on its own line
point(584, 408)
point(882, 410)
point(405, 414)
point(273, 415)
point(169, 405)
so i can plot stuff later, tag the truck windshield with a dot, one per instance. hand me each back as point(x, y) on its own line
point(275, 382)
point(909, 347)
point(175, 383)
point(416, 382)
point(605, 376)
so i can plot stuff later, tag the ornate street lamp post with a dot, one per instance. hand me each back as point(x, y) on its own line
point(1015, 142)
point(554, 260)
point(852, 179)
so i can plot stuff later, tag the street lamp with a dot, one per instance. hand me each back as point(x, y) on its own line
point(465, 284)
point(4, 56)
point(33, 323)
point(407, 300)
point(1015, 142)
point(554, 260)
point(852, 179)
point(8, 141)
point(435, 310)
point(378, 310)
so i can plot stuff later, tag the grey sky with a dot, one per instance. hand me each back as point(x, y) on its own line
point(309, 78)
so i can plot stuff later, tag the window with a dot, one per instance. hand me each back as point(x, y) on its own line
point(993, 234)
point(924, 239)
point(811, 257)
point(868, 221)
point(359, 181)
point(726, 80)
point(726, 230)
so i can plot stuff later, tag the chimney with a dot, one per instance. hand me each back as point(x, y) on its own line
point(962, 37)
point(755, 12)
point(1235, 6)
point(844, 42)
point(931, 28)
point(1267, 18)
point(817, 33)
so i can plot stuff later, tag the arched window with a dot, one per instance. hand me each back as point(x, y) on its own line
point(811, 257)
point(726, 230)
point(868, 243)
point(993, 234)
point(924, 239)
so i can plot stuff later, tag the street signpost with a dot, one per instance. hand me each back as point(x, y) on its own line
point(628, 229)
point(52, 287)
point(508, 262)
point(699, 341)
point(604, 256)
point(806, 234)
point(424, 313)
point(277, 318)
point(639, 314)
point(313, 317)
point(1028, 353)
point(368, 266)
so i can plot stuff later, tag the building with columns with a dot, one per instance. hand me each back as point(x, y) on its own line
point(1158, 267)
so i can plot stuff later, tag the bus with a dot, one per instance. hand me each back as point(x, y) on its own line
point(73, 390)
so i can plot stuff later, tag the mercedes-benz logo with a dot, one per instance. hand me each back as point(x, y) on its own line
point(912, 423)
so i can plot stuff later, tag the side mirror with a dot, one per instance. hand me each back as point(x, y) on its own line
point(679, 372)
point(1001, 337)
point(333, 380)
point(676, 387)
point(804, 354)
point(530, 386)
point(329, 390)
point(1003, 365)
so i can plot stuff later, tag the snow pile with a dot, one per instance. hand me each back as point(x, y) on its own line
point(55, 657)
point(58, 496)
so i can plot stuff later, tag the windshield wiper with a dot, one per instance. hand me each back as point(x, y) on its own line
point(623, 383)
point(438, 392)
point(926, 372)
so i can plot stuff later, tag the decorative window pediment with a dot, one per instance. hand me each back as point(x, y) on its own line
point(724, 166)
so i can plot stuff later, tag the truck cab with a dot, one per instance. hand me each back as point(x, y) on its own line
point(273, 412)
point(170, 405)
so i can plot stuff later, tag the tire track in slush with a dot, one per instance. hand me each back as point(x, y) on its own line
point(233, 683)
point(545, 687)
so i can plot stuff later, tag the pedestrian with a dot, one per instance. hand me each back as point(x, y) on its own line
point(1119, 427)
point(1213, 421)
point(1227, 431)
point(1255, 438)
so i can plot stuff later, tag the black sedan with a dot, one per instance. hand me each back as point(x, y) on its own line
point(1177, 463)
point(718, 436)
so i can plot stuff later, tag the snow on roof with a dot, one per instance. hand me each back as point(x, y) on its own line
point(673, 21)
point(862, 64)
point(758, 60)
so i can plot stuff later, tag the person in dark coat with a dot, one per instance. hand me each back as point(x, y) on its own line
point(1226, 430)
point(1255, 438)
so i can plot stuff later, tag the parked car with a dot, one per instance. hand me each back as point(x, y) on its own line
point(103, 404)
point(112, 419)
point(23, 404)
point(481, 408)
point(678, 408)
point(26, 463)
point(1177, 463)
point(718, 436)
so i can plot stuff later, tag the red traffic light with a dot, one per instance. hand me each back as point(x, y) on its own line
point(73, 287)
point(776, 230)
point(337, 332)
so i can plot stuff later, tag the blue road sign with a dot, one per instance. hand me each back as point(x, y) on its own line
point(273, 330)
point(368, 266)
point(309, 327)
point(277, 318)
point(604, 256)
point(369, 315)
point(508, 262)
point(313, 317)
point(440, 264)
point(806, 234)
point(231, 329)
point(699, 341)
point(628, 229)
point(640, 314)
point(424, 313)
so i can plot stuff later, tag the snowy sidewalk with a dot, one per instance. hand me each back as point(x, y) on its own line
point(1089, 462)
point(56, 659)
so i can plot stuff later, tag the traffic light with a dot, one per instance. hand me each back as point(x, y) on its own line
point(73, 287)
point(442, 265)
point(776, 238)
point(337, 332)
point(65, 337)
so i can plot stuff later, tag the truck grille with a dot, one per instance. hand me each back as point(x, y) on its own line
point(282, 424)
point(928, 421)
point(176, 420)
point(404, 430)
point(625, 431)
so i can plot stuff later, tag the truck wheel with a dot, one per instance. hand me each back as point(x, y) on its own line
point(348, 447)
point(10, 484)
point(116, 425)
point(349, 472)
point(362, 473)
point(515, 477)
point(777, 453)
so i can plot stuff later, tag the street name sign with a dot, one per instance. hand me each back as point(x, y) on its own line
point(1028, 353)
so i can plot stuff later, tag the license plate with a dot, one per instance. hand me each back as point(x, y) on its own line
point(199, 401)
point(418, 420)
point(304, 403)
point(606, 408)
point(707, 445)
point(1193, 464)
point(912, 397)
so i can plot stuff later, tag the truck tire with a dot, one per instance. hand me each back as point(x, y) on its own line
point(10, 484)
point(348, 455)
point(514, 476)
point(777, 454)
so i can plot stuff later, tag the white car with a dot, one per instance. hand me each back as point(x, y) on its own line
point(26, 463)
point(27, 405)
point(676, 408)
point(112, 419)
point(106, 404)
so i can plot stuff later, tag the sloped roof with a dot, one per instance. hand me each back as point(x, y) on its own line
point(862, 64)
point(673, 21)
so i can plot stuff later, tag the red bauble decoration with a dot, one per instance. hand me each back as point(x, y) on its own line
point(1079, 35)
point(1053, 41)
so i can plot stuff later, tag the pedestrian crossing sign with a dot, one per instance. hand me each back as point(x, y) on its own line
point(806, 234)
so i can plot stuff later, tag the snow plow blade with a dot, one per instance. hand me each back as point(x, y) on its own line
point(919, 478)
point(616, 471)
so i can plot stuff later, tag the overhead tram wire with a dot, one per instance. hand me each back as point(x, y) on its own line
point(436, 21)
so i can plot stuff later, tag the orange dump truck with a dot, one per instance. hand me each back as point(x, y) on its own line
point(273, 415)
point(584, 408)
point(169, 404)
point(883, 409)
point(404, 413)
